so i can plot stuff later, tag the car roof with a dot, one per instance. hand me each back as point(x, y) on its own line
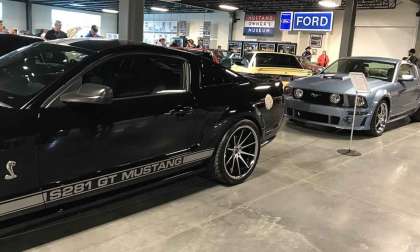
point(106, 45)
point(380, 59)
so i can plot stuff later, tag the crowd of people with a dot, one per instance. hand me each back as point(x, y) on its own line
point(55, 33)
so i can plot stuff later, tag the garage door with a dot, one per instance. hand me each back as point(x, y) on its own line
point(393, 42)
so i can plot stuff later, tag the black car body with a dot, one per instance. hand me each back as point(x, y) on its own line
point(81, 119)
point(10, 42)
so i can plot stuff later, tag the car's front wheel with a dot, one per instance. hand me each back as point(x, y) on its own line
point(379, 119)
point(237, 154)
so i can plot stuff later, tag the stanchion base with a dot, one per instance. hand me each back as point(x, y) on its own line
point(351, 153)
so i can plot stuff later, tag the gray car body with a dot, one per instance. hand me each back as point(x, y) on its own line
point(403, 97)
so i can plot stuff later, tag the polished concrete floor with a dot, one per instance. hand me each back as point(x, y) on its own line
point(303, 197)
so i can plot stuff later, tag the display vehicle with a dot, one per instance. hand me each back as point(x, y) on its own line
point(271, 66)
point(83, 120)
point(329, 98)
point(11, 42)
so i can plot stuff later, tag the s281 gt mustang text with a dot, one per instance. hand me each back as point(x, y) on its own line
point(85, 119)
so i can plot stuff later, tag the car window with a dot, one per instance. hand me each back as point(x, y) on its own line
point(138, 75)
point(406, 69)
point(372, 69)
point(215, 75)
point(277, 60)
point(27, 71)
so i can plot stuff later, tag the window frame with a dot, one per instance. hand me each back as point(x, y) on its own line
point(76, 81)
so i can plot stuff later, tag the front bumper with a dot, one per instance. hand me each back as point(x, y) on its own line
point(330, 116)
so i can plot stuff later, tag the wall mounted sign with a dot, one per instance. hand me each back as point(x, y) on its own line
point(286, 20)
point(313, 21)
point(316, 40)
point(259, 24)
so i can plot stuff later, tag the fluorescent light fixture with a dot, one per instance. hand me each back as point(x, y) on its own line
point(77, 5)
point(110, 11)
point(153, 8)
point(330, 3)
point(228, 7)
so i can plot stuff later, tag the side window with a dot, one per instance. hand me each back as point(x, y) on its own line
point(138, 75)
point(406, 69)
point(215, 75)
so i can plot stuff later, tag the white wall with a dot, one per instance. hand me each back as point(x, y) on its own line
point(389, 33)
point(41, 18)
point(220, 25)
point(14, 15)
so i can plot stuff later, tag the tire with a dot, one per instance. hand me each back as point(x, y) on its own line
point(416, 116)
point(379, 119)
point(237, 154)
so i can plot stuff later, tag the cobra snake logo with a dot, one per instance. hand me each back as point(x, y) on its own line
point(9, 167)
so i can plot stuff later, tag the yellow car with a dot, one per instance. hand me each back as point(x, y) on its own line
point(277, 66)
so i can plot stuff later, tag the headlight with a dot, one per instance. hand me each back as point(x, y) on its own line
point(335, 98)
point(361, 101)
point(298, 93)
point(288, 91)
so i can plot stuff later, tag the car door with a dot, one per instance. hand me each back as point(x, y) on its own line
point(19, 184)
point(149, 118)
point(406, 93)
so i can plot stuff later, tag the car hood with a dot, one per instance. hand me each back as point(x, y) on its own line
point(281, 71)
point(340, 84)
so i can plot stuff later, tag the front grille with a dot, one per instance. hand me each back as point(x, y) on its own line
point(320, 98)
point(311, 116)
point(315, 117)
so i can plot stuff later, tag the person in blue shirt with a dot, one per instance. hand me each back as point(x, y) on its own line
point(93, 33)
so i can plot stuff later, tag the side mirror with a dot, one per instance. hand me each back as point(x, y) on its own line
point(406, 77)
point(89, 93)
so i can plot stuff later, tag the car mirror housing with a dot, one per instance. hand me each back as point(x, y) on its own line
point(89, 93)
point(406, 77)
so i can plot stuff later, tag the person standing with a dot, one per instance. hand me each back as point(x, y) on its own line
point(323, 59)
point(93, 33)
point(412, 57)
point(162, 42)
point(56, 32)
point(2, 28)
point(307, 54)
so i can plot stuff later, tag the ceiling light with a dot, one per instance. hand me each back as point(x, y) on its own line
point(330, 3)
point(228, 7)
point(77, 5)
point(110, 11)
point(159, 9)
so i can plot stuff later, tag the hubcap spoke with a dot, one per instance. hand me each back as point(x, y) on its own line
point(247, 154)
point(239, 167)
point(248, 145)
point(246, 138)
point(243, 161)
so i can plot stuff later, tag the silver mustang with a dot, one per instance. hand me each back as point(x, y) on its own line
point(328, 98)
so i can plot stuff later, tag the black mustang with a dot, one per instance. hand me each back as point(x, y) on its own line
point(11, 42)
point(84, 119)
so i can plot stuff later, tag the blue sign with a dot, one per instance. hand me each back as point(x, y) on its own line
point(286, 20)
point(313, 21)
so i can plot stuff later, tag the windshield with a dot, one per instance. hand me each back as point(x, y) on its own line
point(371, 69)
point(277, 60)
point(28, 70)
